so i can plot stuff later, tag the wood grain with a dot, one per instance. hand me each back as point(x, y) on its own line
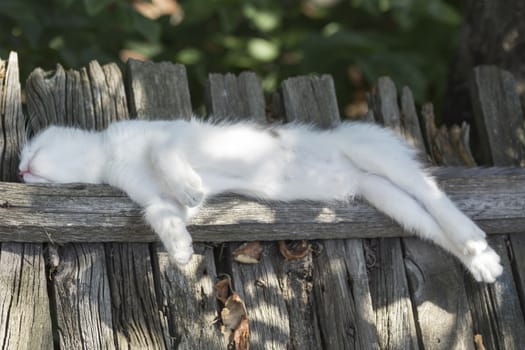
point(341, 323)
point(257, 284)
point(185, 294)
point(429, 268)
point(311, 99)
point(25, 318)
point(11, 117)
point(143, 82)
point(495, 308)
point(60, 213)
point(395, 320)
point(499, 117)
point(66, 98)
point(96, 95)
point(81, 284)
point(231, 97)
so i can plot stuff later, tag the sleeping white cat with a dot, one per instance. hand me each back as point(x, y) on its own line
point(170, 167)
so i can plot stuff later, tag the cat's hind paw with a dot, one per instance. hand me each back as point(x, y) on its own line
point(485, 266)
point(475, 247)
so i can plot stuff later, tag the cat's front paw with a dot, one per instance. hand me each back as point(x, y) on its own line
point(180, 253)
point(192, 197)
point(485, 266)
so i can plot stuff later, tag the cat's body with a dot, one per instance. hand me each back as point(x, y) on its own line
point(171, 167)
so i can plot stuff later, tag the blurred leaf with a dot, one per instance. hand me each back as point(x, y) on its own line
point(189, 56)
point(443, 12)
point(93, 7)
point(263, 20)
point(32, 31)
point(262, 50)
point(149, 29)
point(146, 49)
point(16, 9)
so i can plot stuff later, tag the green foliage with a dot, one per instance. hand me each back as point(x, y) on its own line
point(354, 40)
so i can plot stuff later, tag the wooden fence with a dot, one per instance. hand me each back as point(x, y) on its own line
point(78, 269)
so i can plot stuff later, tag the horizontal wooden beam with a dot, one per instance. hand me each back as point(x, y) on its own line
point(493, 197)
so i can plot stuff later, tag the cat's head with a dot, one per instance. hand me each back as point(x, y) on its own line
point(61, 155)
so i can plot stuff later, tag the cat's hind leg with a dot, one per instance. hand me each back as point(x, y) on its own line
point(175, 175)
point(391, 200)
point(379, 151)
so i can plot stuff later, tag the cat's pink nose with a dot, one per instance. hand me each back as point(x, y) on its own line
point(21, 174)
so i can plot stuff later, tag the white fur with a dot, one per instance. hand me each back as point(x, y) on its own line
point(170, 167)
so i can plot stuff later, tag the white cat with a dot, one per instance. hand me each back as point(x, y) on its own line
point(170, 168)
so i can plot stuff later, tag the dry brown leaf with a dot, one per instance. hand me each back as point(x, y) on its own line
point(248, 253)
point(478, 342)
point(241, 335)
point(223, 289)
point(235, 325)
point(294, 250)
point(233, 312)
point(234, 318)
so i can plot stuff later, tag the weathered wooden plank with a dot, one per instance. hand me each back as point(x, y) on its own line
point(395, 304)
point(356, 266)
point(24, 305)
point(343, 302)
point(188, 311)
point(383, 102)
point(311, 99)
point(390, 295)
point(12, 119)
point(136, 316)
point(296, 283)
point(25, 319)
point(230, 97)
point(258, 285)
point(428, 268)
point(447, 146)
point(187, 296)
point(517, 248)
point(38, 213)
point(339, 327)
point(496, 310)
point(46, 100)
point(438, 292)
point(498, 116)
point(80, 286)
point(171, 103)
point(107, 90)
point(410, 120)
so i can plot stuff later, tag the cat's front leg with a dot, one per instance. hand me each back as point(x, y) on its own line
point(168, 220)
